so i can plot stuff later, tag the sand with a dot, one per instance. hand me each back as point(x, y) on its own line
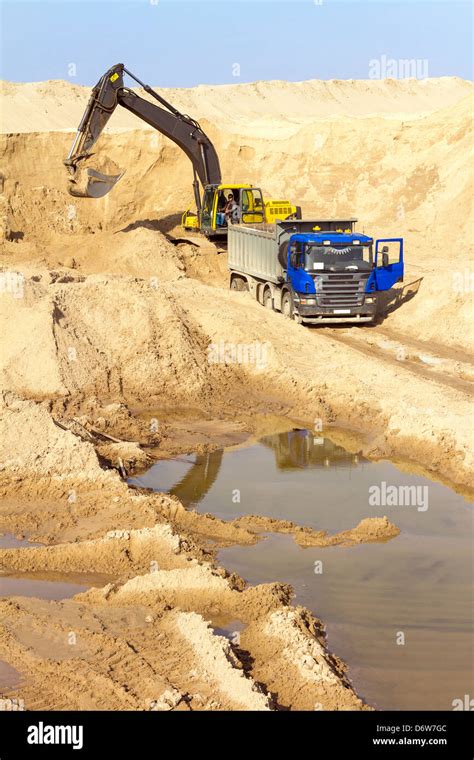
point(109, 311)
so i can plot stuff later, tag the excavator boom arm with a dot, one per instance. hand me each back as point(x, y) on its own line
point(183, 130)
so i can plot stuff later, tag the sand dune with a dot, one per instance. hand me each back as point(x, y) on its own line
point(58, 105)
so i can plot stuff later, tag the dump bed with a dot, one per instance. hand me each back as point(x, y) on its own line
point(261, 251)
point(254, 251)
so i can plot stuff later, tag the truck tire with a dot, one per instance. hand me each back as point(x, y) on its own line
point(238, 283)
point(287, 305)
point(268, 299)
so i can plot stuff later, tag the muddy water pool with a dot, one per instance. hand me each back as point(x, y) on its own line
point(399, 613)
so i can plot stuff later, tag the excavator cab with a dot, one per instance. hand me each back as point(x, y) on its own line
point(252, 207)
point(253, 210)
point(214, 220)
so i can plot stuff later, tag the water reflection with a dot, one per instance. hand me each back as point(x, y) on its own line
point(191, 478)
point(200, 477)
point(299, 448)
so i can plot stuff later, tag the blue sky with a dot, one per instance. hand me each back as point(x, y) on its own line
point(173, 43)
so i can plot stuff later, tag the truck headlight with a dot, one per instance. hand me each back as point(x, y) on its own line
point(308, 301)
point(370, 300)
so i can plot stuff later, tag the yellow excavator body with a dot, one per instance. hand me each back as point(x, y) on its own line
point(253, 209)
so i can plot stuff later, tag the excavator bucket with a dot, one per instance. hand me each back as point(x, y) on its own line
point(90, 183)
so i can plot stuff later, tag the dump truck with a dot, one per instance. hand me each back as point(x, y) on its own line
point(210, 218)
point(315, 271)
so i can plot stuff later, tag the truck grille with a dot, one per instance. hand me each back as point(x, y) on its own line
point(343, 289)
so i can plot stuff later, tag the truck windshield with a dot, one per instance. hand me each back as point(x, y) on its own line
point(337, 254)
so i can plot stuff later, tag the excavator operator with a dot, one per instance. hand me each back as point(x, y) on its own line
point(232, 210)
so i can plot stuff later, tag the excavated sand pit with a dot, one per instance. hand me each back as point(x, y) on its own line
point(111, 311)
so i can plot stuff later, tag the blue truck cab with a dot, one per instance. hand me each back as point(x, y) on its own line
point(314, 271)
point(336, 276)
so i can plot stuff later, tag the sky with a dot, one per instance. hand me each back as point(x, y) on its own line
point(172, 43)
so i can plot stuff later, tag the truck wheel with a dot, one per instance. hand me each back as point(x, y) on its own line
point(238, 283)
point(267, 299)
point(287, 305)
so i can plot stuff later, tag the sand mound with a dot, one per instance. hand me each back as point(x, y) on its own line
point(102, 336)
point(368, 530)
point(118, 552)
point(25, 421)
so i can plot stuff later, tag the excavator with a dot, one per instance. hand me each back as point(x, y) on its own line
point(221, 203)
